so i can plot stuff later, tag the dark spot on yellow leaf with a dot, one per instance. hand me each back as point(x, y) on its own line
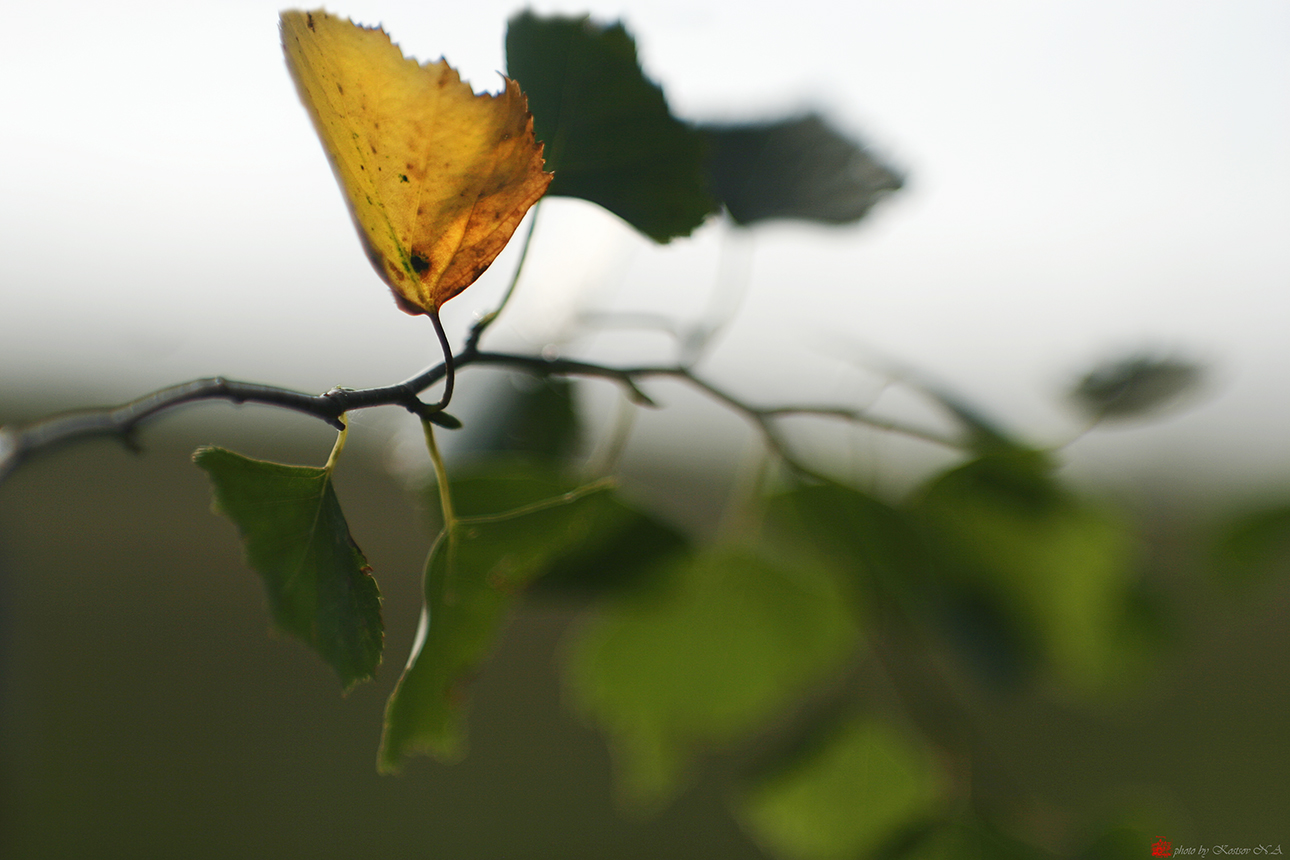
point(403, 177)
point(339, 88)
point(420, 263)
point(309, 17)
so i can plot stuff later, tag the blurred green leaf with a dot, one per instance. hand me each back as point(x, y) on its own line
point(318, 583)
point(604, 547)
point(971, 838)
point(896, 561)
point(859, 788)
point(1253, 547)
point(608, 134)
point(518, 521)
point(626, 553)
point(1134, 386)
point(527, 415)
point(713, 651)
point(797, 168)
point(984, 434)
point(1041, 560)
point(1118, 843)
point(1130, 827)
point(877, 547)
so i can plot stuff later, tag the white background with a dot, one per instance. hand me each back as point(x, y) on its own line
point(1085, 179)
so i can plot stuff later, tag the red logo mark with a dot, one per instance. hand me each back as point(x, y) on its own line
point(1162, 848)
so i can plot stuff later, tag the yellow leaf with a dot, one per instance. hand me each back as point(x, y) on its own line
point(437, 178)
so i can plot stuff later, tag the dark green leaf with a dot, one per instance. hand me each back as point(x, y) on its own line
point(1134, 386)
point(712, 652)
point(857, 789)
point(526, 415)
point(971, 838)
point(622, 558)
point(473, 579)
point(1254, 546)
point(1034, 559)
point(897, 562)
point(797, 168)
point(1131, 828)
point(609, 545)
point(875, 546)
point(984, 435)
point(608, 134)
point(318, 583)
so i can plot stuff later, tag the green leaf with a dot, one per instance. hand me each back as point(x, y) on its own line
point(519, 522)
point(526, 415)
point(606, 566)
point(1129, 825)
point(1134, 386)
point(897, 563)
point(971, 838)
point(604, 547)
point(318, 583)
point(845, 797)
point(1253, 547)
point(1036, 560)
point(877, 547)
point(608, 134)
point(797, 168)
point(720, 646)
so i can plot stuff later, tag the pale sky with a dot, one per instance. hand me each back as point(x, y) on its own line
point(1084, 178)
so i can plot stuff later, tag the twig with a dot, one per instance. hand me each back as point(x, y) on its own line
point(18, 443)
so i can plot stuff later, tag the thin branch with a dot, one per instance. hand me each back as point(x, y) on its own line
point(17, 443)
point(763, 418)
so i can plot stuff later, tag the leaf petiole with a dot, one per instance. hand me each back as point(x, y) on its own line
point(450, 521)
point(330, 465)
point(478, 329)
point(544, 504)
point(448, 364)
point(441, 477)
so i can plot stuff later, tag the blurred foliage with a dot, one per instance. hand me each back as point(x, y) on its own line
point(849, 632)
point(518, 520)
point(611, 139)
point(722, 644)
point(794, 169)
point(1134, 386)
point(608, 134)
point(1254, 546)
point(1056, 571)
point(861, 785)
